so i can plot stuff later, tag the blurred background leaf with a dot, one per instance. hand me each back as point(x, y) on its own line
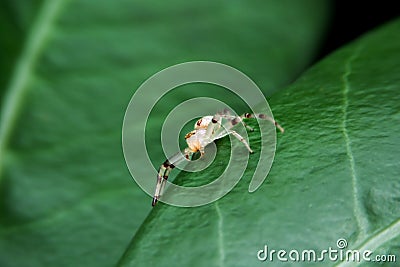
point(66, 197)
point(335, 175)
point(15, 20)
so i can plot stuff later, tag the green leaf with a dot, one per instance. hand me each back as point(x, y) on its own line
point(336, 173)
point(66, 196)
point(15, 18)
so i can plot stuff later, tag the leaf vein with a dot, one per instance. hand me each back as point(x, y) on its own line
point(23, 71)
point(220, 235)
point(359, 212)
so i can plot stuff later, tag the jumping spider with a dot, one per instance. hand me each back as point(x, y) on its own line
point(206, 130)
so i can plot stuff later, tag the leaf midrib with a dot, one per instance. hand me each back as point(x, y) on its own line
point(19, 81)
point(359, 212)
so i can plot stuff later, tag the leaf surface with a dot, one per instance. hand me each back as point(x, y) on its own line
point(335, 175)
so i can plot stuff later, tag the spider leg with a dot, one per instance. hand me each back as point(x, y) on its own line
point(162, 177)
point(235, 119)
point(165, 169)
point(213, 125)
point(263, 117)
point(241, 139)
point(235, 134)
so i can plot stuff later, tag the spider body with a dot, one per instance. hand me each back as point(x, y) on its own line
point(206, 130)
point(198, 139)
point(203, 122)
